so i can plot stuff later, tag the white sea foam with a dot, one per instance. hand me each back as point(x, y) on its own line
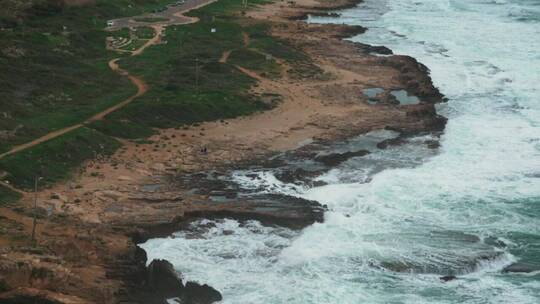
point(389, 235)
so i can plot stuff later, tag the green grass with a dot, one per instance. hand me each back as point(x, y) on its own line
point(145, 32)
point(255, 61)
point(122, 129)
point(55, 160)
point(134, 45)
point(7, 196)
point(224, 8)
point(176, 97)
point(54, 64)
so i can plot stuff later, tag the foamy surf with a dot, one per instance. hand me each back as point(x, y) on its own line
point(399, 219)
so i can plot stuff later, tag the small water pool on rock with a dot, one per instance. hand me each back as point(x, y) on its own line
point(404, 98)
point(401, 97)
point(372, 93)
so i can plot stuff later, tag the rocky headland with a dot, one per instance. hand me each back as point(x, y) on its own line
point(86, 250)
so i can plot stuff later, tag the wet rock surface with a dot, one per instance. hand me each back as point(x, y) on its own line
point(166, 283)
point(456, 265)
point(521, 267)
point(337, 158)
point(448, 278)
point(163, 279)
point(195, 293)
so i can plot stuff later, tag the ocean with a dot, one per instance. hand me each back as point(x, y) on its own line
point(401, 218)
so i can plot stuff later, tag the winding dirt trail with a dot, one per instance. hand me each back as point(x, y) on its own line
point(142, 87)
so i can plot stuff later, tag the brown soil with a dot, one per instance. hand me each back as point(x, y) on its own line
point(86, 250)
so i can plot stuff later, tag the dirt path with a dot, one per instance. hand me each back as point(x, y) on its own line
point(225, 56)
point(10, 187)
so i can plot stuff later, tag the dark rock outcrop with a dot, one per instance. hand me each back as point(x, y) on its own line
point(447, 278)
point(163, 279)
point(391, 142)
point(166, 283)
point(200, 294)
point(299, 176)
point(429, 117)
point(335, 159)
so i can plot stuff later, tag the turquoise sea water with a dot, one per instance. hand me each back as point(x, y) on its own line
point(469, 210)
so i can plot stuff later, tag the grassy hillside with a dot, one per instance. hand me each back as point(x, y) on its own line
point(7, 196)
point(179, 95)
point(54, 64)
point(54, 160)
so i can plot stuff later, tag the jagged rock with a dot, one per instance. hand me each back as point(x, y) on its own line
point(448, 278)
point(297, 176)
point(163, 279)
point(391, 142)
point(332, 160)
point(200, 294)
point(433, 144)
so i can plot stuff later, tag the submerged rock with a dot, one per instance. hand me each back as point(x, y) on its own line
point(335, 159)
point(453, 266)
point(448, 278)
point(521, 267)
point(391, 142)
point(298, 176)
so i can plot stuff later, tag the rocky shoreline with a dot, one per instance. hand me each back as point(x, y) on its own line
point(100, 262)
